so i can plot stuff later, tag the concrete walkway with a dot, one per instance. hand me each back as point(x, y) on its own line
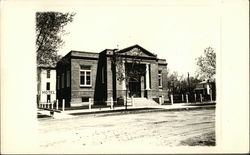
point(176, 106)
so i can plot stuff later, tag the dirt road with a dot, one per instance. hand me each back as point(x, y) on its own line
point(154, 128)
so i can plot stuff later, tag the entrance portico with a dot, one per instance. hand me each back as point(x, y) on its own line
point(138, 86)
point(146, 84)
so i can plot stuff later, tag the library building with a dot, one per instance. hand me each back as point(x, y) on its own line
point(112, 74)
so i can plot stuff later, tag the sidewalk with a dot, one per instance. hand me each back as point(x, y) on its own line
point(57, 115)
point(130, 109)
point(178, 106)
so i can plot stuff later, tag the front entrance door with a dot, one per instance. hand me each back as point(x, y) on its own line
point(135, 88)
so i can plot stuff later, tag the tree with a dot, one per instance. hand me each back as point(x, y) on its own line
point(173, 82)
point(127, 69)
point(49, 31)
point(177, 84)
point(207, 65)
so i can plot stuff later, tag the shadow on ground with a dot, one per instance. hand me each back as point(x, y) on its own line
point(39, 115)
point(207, 139)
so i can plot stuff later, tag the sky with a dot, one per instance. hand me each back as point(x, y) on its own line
point(178, 33)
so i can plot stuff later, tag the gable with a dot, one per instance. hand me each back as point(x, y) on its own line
point(136, 50)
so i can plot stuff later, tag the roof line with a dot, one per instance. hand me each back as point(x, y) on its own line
point(83, 52)
point(127, 48)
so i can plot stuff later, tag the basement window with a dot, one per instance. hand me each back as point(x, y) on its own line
point(85, 99)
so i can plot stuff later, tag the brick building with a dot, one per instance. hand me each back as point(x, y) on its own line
point(83, 75)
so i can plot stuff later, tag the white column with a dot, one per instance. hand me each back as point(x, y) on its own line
point(147, 77)
point(201, 97)
point(160, 100)
point(111, 103)
point(208, 88)
point(187, 98)
point(182, 97)
point(124, 100)
point(48, 104)
point(172, 99)
point(123, 82)
point(90, 102)
point(63, 104)
point(195, 97)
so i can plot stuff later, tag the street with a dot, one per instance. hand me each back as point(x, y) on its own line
point(154, 128)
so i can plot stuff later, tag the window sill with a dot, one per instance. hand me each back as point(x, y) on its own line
point(85, 86)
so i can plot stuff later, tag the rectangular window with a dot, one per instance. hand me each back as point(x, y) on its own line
point(48, 98)
point(85, 76)
point(68, 79)
point(62, 80)
point(48, 73)
point(47, 86)
point(58, 82)
point(160, 78)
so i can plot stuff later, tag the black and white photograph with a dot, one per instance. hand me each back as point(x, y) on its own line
point(125, 77)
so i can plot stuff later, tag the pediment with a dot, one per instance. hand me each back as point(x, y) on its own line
point(136, 50)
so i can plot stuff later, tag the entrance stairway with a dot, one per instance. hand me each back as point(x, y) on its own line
point(144, 102)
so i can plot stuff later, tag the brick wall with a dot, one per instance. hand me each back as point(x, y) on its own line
point(164, 90)
point(63, 93)
point(109, 79)
point(77, 91)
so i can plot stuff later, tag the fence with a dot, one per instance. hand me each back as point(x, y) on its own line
point(182, 98)
point(130, 101)
point(51, 105)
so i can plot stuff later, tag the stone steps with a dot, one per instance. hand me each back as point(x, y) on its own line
point(144, 102)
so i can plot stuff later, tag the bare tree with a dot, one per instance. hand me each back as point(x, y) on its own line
point(128, 68)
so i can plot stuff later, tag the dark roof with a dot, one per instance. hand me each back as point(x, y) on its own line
point(138, 46)
point(83, 52)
